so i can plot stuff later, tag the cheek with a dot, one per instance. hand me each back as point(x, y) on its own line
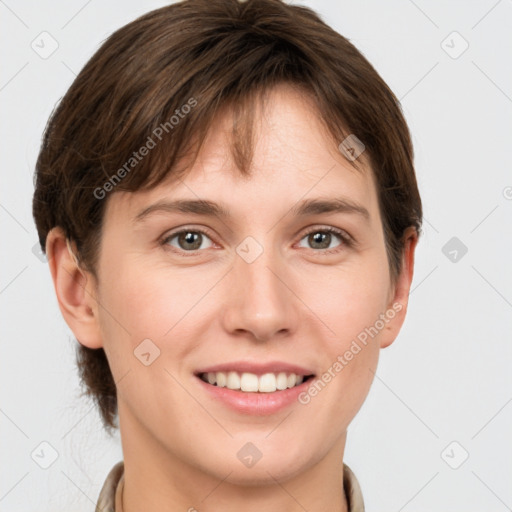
point(142, 302)
point(138, 305)
point(346, 299)
point(350, 304)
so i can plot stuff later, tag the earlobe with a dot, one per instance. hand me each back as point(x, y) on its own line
point(74, 288)
point(399, 296)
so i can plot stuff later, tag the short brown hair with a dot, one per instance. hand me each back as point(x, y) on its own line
point(206, 55)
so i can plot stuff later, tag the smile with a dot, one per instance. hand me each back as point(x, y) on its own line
point(251, 383)
point(255, 387)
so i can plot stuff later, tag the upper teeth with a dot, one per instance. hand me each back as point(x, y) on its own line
point(250, 382)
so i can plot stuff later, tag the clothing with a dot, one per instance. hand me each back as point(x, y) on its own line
point(110, 495)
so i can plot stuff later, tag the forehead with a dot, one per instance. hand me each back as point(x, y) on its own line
point(294, 158)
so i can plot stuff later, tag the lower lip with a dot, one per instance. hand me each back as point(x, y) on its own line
point(258, 404)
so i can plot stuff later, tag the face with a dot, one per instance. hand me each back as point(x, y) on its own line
point(268, 287)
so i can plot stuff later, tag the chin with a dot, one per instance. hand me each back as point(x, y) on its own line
point(275, 463)
point(262, 474)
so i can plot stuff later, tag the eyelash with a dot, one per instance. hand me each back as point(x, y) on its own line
point(347, 241)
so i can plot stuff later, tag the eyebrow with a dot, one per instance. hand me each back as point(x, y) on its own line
point(213, 209)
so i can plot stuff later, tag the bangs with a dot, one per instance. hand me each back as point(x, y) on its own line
point(173, 141)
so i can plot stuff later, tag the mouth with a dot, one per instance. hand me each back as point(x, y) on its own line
point(254, 387)
point(247, 382)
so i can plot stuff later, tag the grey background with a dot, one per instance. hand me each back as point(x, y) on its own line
point(445, 379)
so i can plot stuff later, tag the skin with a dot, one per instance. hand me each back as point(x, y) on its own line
point(293, 303)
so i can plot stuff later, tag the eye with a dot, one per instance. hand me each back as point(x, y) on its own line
point(187, 240)
point(321, 238)
point(192, 240)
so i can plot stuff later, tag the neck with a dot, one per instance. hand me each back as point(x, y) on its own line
point(156, 479)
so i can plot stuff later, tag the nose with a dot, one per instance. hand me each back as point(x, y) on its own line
point(259, 300)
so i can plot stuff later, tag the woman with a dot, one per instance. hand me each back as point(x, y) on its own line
point(227, 199)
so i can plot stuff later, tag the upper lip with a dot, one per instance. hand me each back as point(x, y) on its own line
point(256, 368)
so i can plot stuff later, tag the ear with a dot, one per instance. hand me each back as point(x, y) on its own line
point(75, 289)
point(399, 294)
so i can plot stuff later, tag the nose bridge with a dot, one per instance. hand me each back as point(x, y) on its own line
point(261, 302)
